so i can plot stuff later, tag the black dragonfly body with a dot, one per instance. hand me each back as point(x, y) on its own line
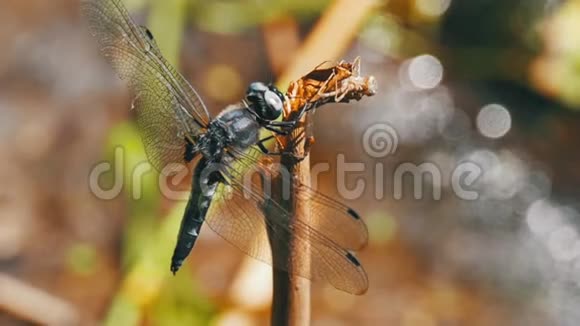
point(234, 130)
point(176, 128)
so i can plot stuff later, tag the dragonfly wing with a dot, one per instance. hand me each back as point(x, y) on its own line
point(334, 219)
point(329, 217)
point(237, 215)
point(168, 108)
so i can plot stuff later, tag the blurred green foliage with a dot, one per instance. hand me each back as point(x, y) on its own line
point(236, 16)
point(221, 16)
point(82, 259)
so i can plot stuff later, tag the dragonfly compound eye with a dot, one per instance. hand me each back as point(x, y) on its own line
point(256, 88)
point(274, 105)
point(267, 102)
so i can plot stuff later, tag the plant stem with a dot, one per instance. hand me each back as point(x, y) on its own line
point(330, 38)
point(291, 294)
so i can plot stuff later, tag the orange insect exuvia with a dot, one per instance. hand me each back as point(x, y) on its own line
point(339, 83)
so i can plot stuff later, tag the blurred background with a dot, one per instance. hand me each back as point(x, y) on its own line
point(496, 83)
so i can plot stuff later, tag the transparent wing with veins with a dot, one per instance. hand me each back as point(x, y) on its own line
point(237, 214)
point(168, 109)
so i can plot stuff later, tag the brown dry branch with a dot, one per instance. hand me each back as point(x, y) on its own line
point(339, 83)
point(328, 40)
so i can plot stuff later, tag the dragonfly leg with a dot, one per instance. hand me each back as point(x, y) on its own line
point(262, 147)
point(286, 127)
point(290, 123)
point(277, 130)
point(266, 151)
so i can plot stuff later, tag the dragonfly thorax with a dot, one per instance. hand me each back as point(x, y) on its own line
point(213, 143)
point(235, 128)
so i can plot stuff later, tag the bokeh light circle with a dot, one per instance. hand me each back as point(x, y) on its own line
point(425, 72)
point(432, 7)
point(494, 121)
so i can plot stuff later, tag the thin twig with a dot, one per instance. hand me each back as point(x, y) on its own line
point(291, 294)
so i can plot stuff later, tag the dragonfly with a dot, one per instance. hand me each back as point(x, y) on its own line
point(175, 127)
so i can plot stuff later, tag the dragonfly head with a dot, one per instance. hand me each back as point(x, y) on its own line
point(266, 101)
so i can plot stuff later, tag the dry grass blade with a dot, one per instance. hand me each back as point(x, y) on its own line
point(35, 305)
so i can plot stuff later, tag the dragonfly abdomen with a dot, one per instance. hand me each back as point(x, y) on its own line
point(200, 198)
